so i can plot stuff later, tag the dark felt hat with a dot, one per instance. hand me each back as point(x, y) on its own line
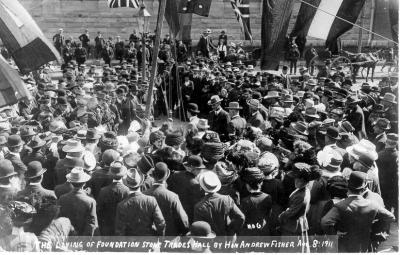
point(34, 169)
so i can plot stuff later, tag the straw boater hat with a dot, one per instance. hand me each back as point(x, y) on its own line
point(133, 179)
point(77, 175)
point(364, 147)
point(209, 182)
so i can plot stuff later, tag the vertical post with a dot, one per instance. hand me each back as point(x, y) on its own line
point(360, 31)
point(160, 18)
point(143, 55)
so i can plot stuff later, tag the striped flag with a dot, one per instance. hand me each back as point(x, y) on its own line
point(23, 38)
point(12, 89)
point(123, 3)
point(242, 12)
point(323, 19)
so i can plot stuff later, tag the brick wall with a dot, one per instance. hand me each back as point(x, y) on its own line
point(76, 15)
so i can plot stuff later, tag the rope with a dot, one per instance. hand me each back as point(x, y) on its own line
point(354, 24)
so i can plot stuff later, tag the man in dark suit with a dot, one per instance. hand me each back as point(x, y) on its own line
point(255, 118)
point(237, 124)
point(15, 146)
point(380, 126)
point(78, 206)
point(218, 118)
point(138, 213)
point(355, 116)
point(109, 197)
point(34, 177)
point(176, 219)
point(84, 38)
point(353, 217)
point(7, 191)
point(205, 44)
point(388, 175)
point(215, 208)
point(80, 54)
point(186, 186)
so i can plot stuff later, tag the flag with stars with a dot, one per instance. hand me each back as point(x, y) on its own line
point(242, 12)
point(199, 7)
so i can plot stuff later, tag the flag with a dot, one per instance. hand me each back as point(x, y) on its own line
point(123, 3)
point(199, 7)
point(322, 19)
point(172, 17)
point(242, 12)
point(23, 38)
point(12, 89)
point(275, 21)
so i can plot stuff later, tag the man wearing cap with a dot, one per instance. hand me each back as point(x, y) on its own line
point(218, 118)
point(8, 191)
point(237, 124)
point(109, 197)
point(136, 214)
point(186, 185)
point(34, 177)
point(176, 219)
point(215, 208)
point(78, 206)
point(380, 127)
point(388, 173)
point(353, 217)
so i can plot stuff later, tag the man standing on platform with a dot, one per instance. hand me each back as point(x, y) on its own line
point(99, 45)
point(84, 38)
point(58, 40)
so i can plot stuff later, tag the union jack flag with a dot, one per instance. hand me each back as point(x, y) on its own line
point(123, 3)
point(242, 12)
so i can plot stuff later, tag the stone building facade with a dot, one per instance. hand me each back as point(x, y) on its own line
point(76, 15)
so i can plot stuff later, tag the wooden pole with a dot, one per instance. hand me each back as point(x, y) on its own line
point(360, 31)
point(143, 56)
point(160, 18)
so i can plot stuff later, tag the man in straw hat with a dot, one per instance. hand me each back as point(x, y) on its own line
point(109, 197)
point(138, 206)
point(354, 216)
point(388, 173)
point(237, 124)
point(176, 219)
point(215, 208)
point(218, 118)
point(78, 206)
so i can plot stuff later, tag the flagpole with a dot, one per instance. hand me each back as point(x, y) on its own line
point(370, 31)
point(160, 18)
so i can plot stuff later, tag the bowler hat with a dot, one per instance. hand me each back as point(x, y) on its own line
point(134, 178)
point(6, 169)
point(357, 180)
point(34, 169)
point(77, 175)
point(14, 141)
point(333, 133)
point(193, 108)
point(161, 172)
point(194, 161)
point(202, 230)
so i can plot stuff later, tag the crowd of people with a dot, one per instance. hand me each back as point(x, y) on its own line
point(261, 154)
